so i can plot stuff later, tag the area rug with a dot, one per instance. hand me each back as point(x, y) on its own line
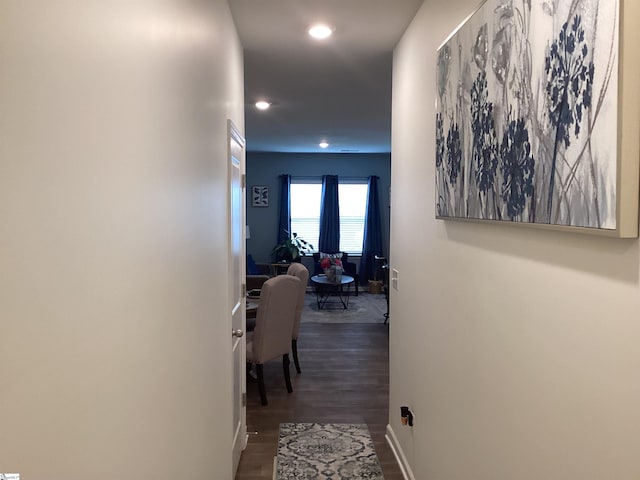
point(329, 451)
point(365, 308)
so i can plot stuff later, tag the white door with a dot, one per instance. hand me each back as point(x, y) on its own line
point(237, 288)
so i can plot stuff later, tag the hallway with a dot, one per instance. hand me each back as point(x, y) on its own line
point(345, 379)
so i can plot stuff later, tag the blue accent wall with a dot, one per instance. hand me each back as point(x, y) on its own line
point(264, 169)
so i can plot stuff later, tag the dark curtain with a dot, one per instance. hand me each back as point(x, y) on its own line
point(284, 220)
point(329, 241)
point(372, 242)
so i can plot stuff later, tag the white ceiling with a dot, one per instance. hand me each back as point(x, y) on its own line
point(338, 89)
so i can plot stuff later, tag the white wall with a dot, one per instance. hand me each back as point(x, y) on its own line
point(516, 348)
point(114, 345)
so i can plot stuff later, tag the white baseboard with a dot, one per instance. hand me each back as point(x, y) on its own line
point(392, 440)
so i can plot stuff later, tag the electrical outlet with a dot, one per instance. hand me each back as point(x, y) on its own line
point(394, 279)
point(406, 416)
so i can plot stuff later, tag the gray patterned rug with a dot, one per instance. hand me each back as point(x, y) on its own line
point(365, 308)
point(329, 451)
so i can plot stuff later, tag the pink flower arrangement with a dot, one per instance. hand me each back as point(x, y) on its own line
point(327, 262)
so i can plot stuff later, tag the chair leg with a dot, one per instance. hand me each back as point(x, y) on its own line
point(294, 349)
point(263, 393)
point(287, 375)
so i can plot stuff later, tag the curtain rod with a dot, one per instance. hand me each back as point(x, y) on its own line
point(319, 177)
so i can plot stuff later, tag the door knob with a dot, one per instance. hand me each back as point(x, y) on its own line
point(237, 333)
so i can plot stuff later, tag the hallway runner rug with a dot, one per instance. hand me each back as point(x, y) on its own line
point(326, 451)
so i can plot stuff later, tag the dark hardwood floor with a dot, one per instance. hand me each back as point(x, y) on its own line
point(345, 379)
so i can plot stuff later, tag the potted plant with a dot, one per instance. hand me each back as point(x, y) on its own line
point(292, 249)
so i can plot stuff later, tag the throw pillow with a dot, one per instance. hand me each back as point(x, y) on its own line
point(331, 255)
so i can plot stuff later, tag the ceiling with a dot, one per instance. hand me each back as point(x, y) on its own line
point(338, 90)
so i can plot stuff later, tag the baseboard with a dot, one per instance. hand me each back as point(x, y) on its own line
point(392, 440)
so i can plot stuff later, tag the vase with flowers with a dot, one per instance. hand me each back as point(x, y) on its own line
point(332, 267)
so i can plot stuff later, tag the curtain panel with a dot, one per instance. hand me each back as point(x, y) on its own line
point(329, 241)
point(284, 219)
point(372, 241)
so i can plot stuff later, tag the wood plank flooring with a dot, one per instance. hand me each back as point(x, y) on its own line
point(345, 379)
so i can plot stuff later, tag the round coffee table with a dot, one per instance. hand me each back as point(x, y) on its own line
point(325, 289)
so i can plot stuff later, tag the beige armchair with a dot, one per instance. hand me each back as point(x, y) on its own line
point(274, 327)
point(300, 271)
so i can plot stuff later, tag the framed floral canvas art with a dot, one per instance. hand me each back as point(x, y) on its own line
point(530, 118)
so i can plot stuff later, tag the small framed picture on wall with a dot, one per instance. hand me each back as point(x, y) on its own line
point(259, 196)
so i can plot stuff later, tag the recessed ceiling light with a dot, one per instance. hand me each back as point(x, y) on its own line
point(323, 144)
point(320, 31)
point(262, 105)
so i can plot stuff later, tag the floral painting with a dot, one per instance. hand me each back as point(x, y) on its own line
point(526, 119)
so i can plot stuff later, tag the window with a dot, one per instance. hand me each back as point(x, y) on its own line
point(306, 197)
point(305, 211)
point(352, 198)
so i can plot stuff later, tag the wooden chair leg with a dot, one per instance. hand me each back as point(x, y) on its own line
point(294, 349)
point(263, 393)
point(287, 375)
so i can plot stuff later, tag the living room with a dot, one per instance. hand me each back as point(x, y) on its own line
point(264, 169)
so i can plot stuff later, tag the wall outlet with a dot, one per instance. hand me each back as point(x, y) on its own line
point(406, 416)
point(394, 279)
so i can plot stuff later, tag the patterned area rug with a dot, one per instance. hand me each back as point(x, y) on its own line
point(365, 308)
point(329, 451)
